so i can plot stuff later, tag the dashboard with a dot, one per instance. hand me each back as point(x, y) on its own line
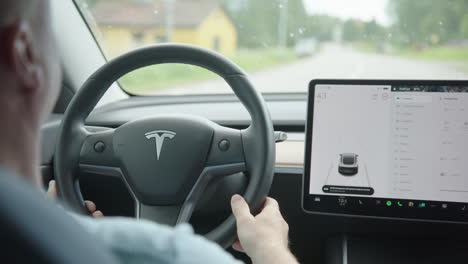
point(311, 235)
point(286, 110)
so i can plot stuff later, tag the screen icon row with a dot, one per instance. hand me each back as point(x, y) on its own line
point(397, 203)
point(344, 201)
point(420, 204)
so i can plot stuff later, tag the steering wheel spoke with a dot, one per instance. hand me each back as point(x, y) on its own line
point(97, 149)
point(164, 214)
point(209, 174)
point(226, 147)
point(176, 214)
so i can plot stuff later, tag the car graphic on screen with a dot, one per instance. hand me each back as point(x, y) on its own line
point(348, 164)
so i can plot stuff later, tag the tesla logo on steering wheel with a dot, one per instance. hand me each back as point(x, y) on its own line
point(159, 136)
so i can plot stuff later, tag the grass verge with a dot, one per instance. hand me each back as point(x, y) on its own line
point(442, 53)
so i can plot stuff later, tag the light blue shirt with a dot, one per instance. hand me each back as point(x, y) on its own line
point(142, 241)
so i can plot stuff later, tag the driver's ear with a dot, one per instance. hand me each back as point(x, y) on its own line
point(20, 56)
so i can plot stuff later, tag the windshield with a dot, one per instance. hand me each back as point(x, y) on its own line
point(283, 44)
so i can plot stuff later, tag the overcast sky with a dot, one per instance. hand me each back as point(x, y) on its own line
point(363, 9)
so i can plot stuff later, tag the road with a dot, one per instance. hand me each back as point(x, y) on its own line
point(333, 61)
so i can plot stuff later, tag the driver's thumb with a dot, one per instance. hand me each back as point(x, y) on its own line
point(240, 209)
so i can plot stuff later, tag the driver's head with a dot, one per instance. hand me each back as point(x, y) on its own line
point(30, 78)
point(29, 65)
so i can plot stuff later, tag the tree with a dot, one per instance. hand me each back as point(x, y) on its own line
point(464, 27)
point(297, 21)
point(353, 30)
point(257, 21)
point(321, 27)
point(424, 22)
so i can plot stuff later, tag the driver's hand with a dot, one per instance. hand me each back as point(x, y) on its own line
point(264, 237)
point(52, 193)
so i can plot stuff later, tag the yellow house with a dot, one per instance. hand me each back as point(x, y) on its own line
point(125, 25)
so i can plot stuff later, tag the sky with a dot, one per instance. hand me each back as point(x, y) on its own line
point(363, 9)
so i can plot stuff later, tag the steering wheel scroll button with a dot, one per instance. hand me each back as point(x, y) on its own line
point(224, 145)
point(99, 146)
point(280, 136)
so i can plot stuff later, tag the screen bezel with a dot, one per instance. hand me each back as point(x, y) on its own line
point(395, 213)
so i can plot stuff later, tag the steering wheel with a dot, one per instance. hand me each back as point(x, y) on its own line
point(167, 161)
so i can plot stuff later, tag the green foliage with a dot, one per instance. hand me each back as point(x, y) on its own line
point(357, 30)
point(464, 26)
point(296, 21)
point(436, 53)
point(353, 30)
point(321, 27)
point(257, 21)
point(429, 21)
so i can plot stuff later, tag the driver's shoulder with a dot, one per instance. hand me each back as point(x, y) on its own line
point(142, 241)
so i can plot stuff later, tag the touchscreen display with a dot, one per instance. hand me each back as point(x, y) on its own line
point(388, 150)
